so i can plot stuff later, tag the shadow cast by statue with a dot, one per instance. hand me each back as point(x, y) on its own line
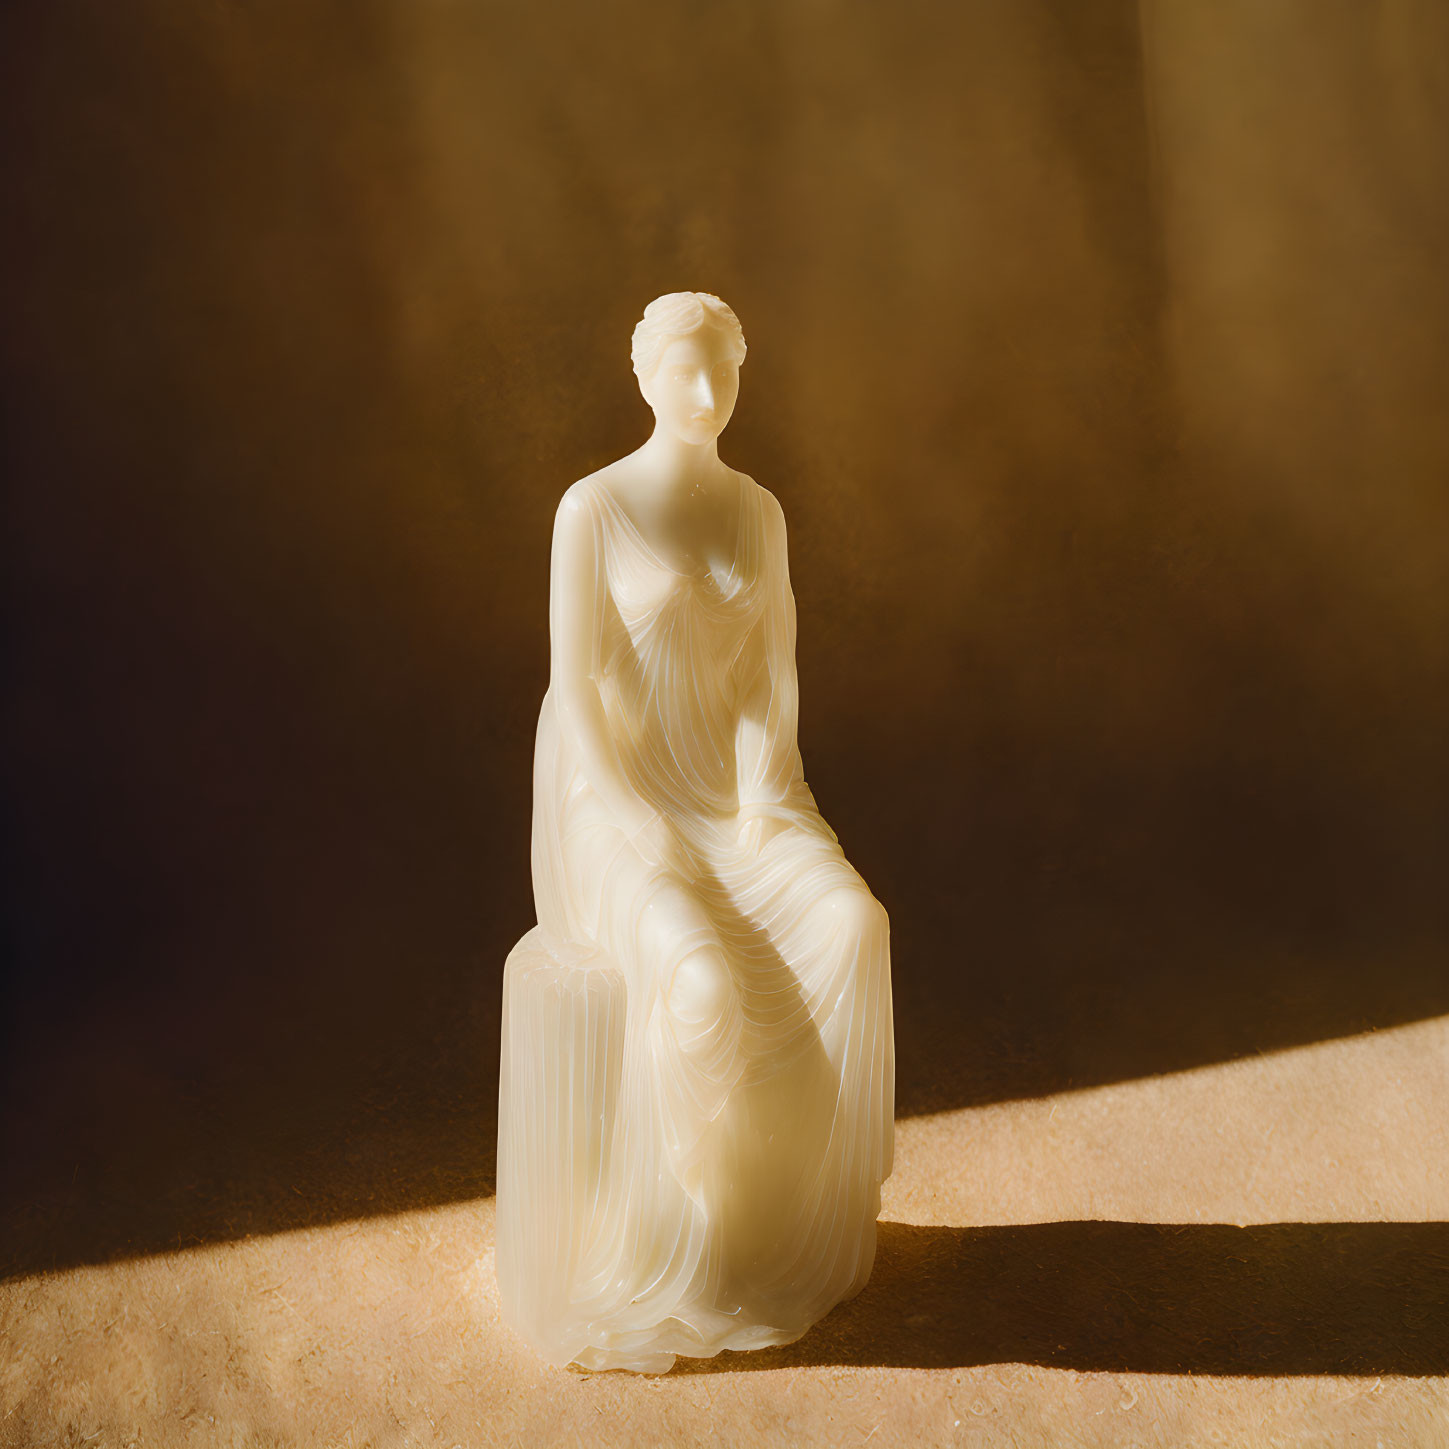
point(1274, 1299)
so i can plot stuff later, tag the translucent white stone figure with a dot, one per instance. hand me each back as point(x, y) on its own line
point(698, 1070)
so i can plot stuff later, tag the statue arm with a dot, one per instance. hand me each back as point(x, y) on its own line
point(771, 777)
point(577, 586)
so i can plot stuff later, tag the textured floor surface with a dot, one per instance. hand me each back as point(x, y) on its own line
point(1255, 1253)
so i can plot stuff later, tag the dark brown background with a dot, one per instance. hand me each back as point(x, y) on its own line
point(1098, 357)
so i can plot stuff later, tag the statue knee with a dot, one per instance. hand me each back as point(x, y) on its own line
point(856, 909)
point(701, 992)
point(668, 916)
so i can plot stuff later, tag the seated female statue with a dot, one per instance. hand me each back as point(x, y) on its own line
point(674, 836)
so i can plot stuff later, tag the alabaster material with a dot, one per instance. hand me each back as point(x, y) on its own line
point(697, 1083)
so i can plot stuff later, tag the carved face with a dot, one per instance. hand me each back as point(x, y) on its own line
point(694, 387)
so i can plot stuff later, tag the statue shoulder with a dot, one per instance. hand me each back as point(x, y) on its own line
point(580, 500)
point(766, 499)
point(576, 521)
point(576, 500)
point(603, 484)
point(770, 510)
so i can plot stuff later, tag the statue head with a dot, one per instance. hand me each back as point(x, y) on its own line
point(687, 353)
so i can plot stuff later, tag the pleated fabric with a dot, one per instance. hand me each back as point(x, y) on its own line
point(698, 1079)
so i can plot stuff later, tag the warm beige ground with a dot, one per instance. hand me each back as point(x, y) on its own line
point(386, 1330)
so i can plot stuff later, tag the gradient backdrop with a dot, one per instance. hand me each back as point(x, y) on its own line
point(1098, 355)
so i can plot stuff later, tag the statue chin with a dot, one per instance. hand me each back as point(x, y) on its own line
point(697, 1083)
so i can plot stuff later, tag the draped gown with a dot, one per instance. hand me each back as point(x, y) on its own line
point(751, 1124)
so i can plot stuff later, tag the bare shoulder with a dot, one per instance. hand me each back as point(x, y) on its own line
point(574, 500)
point(574, 519)
point(578, 496)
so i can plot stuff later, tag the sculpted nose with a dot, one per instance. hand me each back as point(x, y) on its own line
point(705, 393)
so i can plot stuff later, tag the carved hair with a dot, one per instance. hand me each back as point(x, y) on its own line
point(675, 315)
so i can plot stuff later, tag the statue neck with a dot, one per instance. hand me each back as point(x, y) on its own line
point(675, 462)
